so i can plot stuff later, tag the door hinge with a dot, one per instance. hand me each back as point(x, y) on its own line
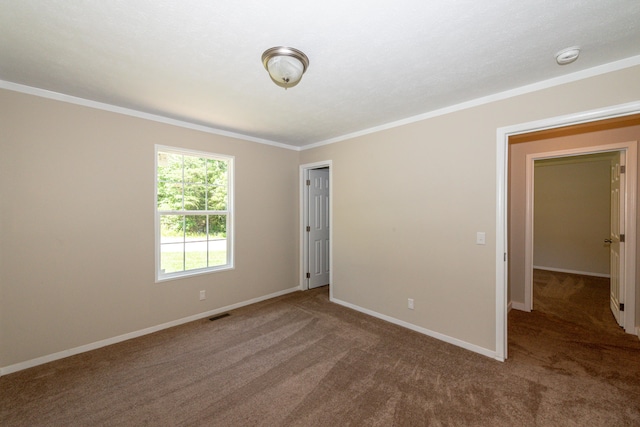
point(623, 169)
point(505, 256)
point(621, 306)
point(622, 238)
point(308, 228)
point(308, 275)
point(308, 182)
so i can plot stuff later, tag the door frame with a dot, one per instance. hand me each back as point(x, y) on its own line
point(502, 162)
point(304, 212)
point(629, 261)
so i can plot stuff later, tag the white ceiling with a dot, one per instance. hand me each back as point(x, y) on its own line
point(371, 62)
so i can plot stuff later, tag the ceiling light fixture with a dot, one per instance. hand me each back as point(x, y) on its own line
point(568, 55)
point(285, 65)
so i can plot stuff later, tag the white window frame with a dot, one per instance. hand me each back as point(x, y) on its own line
point(161, 276)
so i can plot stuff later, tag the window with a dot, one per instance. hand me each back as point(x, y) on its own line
point(194, 219)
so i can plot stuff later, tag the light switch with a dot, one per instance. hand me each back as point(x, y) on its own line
point(481, 238)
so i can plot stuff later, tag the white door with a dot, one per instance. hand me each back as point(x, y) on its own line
point(318, 227)
point(614, 240)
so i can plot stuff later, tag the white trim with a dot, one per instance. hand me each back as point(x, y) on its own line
point(518, 306)
point(509, 306)
point(534, 87)
point(304, 171)
point(43, 93)
point(502, 260)
point(528, 239)
point(103, 343)
point(502, 142)
point(629, 284)
point(564, 270)
point(620, 110)
point(467, 346)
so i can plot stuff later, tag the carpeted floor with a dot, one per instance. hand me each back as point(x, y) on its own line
point(300, 360)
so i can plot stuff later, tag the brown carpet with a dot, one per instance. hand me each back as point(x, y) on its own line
point(300, 360)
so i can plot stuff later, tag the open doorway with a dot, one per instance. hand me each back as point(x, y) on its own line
point(576, 230)
point(510, 262)
point(316, 220)
point(624, 272)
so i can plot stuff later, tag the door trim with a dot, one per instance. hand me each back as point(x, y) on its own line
point(502, 162)
point(629, 195)
point(304, 209)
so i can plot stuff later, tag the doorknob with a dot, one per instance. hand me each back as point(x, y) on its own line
point(608, 241)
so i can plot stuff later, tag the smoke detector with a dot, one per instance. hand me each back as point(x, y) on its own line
point(568, 55)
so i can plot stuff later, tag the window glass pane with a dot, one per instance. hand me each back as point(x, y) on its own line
point(217, 172)
point(217, 198)
point(195, 248)
point(171, 228)
point(194, 197)
point(169, 196)
point(194, 169)
point(217, 252)
point(196, 227)
point(195, 255)
point(217, 227)
point(169, 167)
point(171, 257)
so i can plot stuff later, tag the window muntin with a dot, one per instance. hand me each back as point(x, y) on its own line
point(193, 212)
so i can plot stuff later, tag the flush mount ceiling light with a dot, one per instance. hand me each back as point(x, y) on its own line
point(568, 55)
point(285, 65)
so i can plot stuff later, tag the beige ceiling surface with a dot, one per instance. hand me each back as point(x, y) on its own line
point(371, 62)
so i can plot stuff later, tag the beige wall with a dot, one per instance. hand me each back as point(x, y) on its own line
point(518, 153)
point(571, 221)
point(407, 203)
point(76, 219)
point(77, 226)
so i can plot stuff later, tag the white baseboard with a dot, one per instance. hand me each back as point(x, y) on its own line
point(509, 306)
point(517, 305)
point(103, 343)
point(467, 346)
point(564, 270)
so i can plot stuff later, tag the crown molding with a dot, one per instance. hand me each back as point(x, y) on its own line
point(43, 93)
point(534, 87)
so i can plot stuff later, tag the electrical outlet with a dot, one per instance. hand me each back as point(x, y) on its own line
point(410, 303)
point(203, 295)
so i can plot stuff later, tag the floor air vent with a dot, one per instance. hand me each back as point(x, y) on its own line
point(220, 316)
